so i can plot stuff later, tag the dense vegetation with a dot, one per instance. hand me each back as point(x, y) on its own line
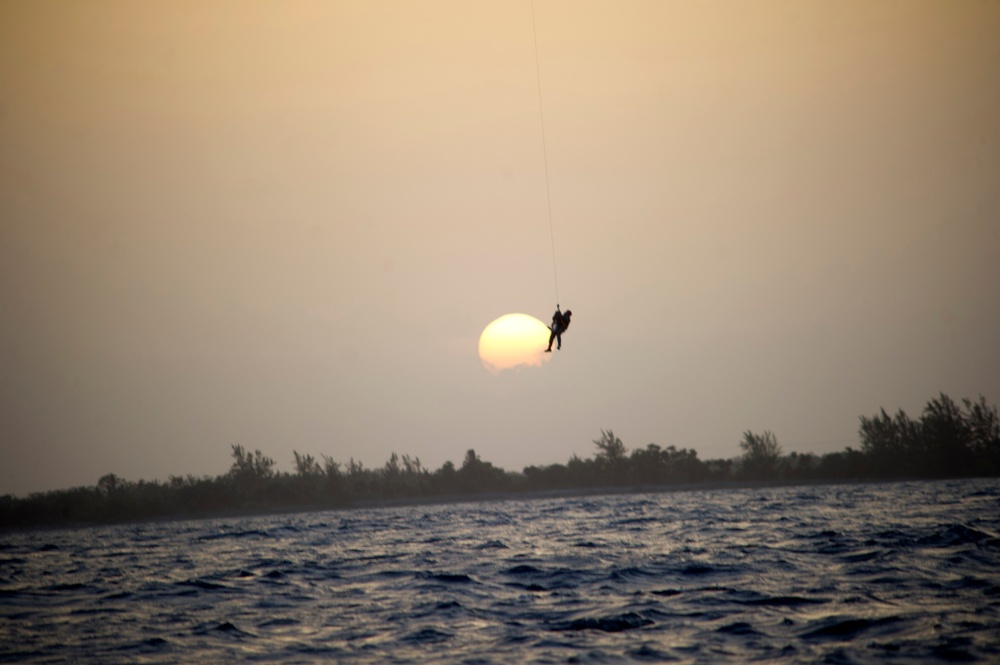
point(947, 440)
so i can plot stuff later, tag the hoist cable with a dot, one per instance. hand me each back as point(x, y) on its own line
point(545, 155)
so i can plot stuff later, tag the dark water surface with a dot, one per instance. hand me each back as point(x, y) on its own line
point(906, 572)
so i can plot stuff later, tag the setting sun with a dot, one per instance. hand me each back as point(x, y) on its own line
point(513, 341)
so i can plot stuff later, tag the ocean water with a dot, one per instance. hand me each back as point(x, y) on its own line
point(866, 573)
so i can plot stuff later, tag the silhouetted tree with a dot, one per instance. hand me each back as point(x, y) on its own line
point(445, 480)
point(250, 468)
point(306, 466)
point(335, 485)
point(479, 476)
point(656, 465)
point(761, 453)
point(610, 448)
point(357, 479)
point(984, 435)
point(946, 439)
point(885, 444)
point(411, 465)
point(719, 469)
point(110, 485)
point(392, 483)
point(611, 458)
point(797, 466)
point(647, 465)
point(552, 476)
point(331, 467)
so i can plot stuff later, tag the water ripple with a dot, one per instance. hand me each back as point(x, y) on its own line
point(840, 574)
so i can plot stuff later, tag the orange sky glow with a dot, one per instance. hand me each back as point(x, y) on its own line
point(286, 224)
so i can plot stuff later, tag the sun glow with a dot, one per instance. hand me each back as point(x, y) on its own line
point(514, 341)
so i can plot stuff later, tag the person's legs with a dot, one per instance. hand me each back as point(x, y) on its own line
point(552, 337)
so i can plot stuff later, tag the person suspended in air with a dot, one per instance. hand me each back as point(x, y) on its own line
point(560, 322)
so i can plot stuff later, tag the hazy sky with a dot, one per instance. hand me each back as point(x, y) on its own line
point(286, 224)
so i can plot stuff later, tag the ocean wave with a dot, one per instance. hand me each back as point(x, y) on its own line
point(844, 573)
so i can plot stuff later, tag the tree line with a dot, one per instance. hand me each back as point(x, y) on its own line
point(947, 440)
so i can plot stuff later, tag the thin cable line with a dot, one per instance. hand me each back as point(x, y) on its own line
point(545, 153)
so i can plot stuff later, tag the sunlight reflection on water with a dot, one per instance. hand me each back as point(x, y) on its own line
point(848, 572)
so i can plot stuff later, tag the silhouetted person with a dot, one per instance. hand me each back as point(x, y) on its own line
point(560, 322)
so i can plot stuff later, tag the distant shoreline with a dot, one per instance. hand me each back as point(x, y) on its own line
point(611, 490)
point(948, 441)
point(486, 497)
